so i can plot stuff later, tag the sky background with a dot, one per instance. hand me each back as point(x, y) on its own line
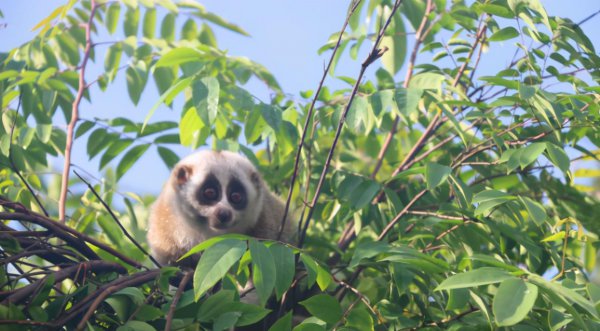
point(285, 37)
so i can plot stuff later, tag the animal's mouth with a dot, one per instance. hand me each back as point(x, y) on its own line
point(221, 226)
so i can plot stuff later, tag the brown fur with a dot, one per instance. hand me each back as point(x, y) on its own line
point(173, 230)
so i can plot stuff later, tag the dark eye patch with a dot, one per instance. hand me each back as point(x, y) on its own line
point(209, 192)
point(236, 194)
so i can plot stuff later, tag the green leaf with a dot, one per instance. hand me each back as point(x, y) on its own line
point(526, 91)
point(536, 211)
point(436, 174)
point(366, 250)
point(255, 125)
point(215, 305)
point(566, 293)
point(202, 13)
point(457, 298)
point(463, 192)
point(112, 17)
point(311, 269)
point(68, 49)
point(167, 27)
point(363, 194)
point(137, 77)
point(135, 294)
point(531, 153)
point(46, 23)
point(324, 307)
point(115, 148)
point(558, 320)
point(558, 156)
point(205, 94)
point(513, 301)
point(554, 237)
point(504, 34)
point(358, 113)
point(136, 326)
point(250, 314)
point(284, 260)
point(207, 37)
point(283, 324)
point(190, 128)
point(43, 132)
point(212, 241)
point(394, 57)
point(178, 56)
point(427, 80)
point(168, 156)
point(412, 258)
point(490, 199)
point(214, 264)
point(97, 141)
point(226, 321)
point(473, 278)
point(272, 115)
point(307, 326)
point(113, 60)
point(189, 31)
point(169, 5)
point(130, 158)
point(263, 270)
point(360, 319)
point(407, 100)
point(149, 23)
point(168, 97)
point(132, 19)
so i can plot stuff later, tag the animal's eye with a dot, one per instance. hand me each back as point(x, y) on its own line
point(210, 193)
point(236, 197)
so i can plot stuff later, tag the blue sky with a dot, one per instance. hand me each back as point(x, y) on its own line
point(285, 36)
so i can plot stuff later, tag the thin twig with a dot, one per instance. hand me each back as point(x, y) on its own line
point(349, 234)
point(419, 37)
point(180, 288)
point(62, 201)
point(139, 279)
point(114, 217)
point(22, 293)
point(375, 54)
point(72, 237)
point(309, 116)
point(362, 298)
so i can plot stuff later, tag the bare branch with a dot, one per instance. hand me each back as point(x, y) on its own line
point(309, 116)
point(374, 54)
point(134, 280)
point(62, 202)
point(180, 288)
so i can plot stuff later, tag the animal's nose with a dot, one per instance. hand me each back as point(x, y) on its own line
point(224, 215)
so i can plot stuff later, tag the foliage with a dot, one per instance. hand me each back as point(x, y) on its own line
point(442, 199)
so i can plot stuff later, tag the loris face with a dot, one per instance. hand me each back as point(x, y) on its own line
point(220, 192)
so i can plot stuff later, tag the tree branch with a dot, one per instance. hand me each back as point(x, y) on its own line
point(180, 289)
point(309, 116)
point(62, 202)
point(374, 54)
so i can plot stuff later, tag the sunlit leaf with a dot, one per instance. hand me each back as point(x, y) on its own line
point(214, 264)
point(324, 307)
point(513, 301)
point(473, 278)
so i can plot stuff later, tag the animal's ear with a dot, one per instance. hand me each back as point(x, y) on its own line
point(182, 174)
